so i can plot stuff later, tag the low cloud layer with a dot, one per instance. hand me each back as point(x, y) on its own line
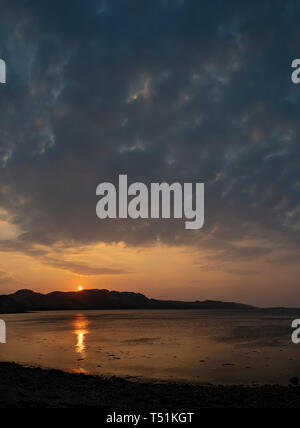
point(81, 268)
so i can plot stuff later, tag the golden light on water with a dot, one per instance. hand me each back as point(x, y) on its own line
point(81, 330)
point(80, 346)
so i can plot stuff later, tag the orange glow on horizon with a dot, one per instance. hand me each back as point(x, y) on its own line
point(79, 288)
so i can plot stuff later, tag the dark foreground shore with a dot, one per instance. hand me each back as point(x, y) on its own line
point(38, 388)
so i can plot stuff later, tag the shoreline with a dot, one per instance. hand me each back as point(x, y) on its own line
point(252, 311)
point(35, 387)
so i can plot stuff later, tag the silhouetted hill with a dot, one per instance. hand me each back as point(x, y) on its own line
point(8, 305)
point(27, 300)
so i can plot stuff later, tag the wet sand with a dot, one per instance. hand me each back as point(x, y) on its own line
point(38, 388)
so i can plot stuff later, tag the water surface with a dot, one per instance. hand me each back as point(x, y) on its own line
point(228, 347)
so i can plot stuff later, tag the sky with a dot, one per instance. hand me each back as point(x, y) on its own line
point(159, 90)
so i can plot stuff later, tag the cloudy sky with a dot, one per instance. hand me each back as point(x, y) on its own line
point(160, 90)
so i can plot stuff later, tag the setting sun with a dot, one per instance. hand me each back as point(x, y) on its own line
point(79, 288)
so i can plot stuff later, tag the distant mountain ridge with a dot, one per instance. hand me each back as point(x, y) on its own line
point(27, 300)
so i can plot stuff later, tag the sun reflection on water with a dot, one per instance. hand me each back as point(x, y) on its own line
point(81, 329)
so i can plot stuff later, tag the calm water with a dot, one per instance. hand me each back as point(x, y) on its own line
point(198, 346)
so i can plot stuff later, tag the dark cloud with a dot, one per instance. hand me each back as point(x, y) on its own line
point(159, 90)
